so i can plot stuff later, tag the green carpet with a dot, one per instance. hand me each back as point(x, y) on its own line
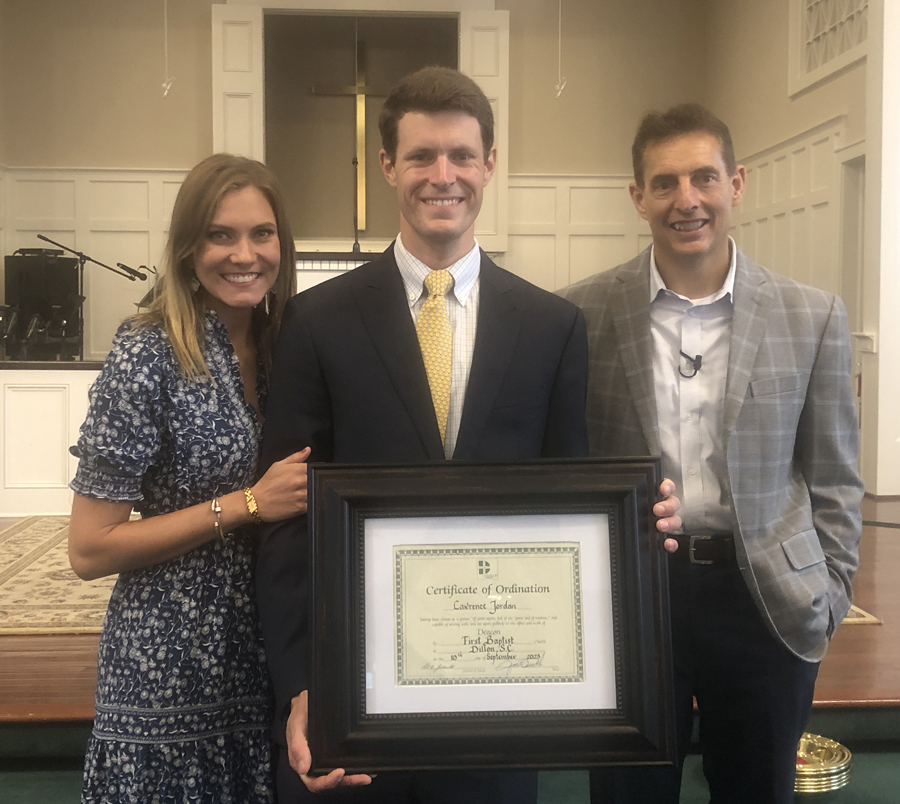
point(59, 786)
point(41, 764)
point(876, 780)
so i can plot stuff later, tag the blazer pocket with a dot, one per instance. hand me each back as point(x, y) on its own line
point(775, 385)
point(517, 407)
point(803, 549)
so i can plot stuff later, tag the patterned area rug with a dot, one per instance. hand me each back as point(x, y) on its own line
point(856, 616)
point(39, 593)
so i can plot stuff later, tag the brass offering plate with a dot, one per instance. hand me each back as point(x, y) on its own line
point(822, 764)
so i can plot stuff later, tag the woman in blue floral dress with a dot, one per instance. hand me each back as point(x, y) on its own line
point(182, 708)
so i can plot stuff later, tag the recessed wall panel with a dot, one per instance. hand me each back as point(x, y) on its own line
point(238, 114)
point(170, 193)
point(781, 245)
point(781, 170)
point(111, 297)
point(591, 254)
point(487, 222)
point(485, 52)
point(799, 268)
point(119, 200)
point(746, 239)
point(749, 201)
point(237, 47)
point(44, 199)
point(532, 205)
point(764, 184)
point(822, 158)
point(34, 431)
point(533, 257)
point(799, 172)
point(598, 205)
point(821, 247)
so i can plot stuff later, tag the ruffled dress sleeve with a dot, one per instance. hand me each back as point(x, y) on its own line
point(120, 437)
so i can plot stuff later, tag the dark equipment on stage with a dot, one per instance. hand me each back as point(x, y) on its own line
point(41, 318)
point(44, 314)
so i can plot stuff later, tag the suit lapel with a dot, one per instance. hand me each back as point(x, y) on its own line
point(381, 298)
point(499, 322)
point(630, 305)
point(751, 296)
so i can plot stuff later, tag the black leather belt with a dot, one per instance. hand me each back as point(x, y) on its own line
point(715, 548)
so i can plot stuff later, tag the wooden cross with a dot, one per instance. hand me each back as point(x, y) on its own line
point(360, 90)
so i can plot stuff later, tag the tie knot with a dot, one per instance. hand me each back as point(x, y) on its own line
point(437, 283)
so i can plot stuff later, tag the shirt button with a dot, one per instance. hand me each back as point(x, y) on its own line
point(692, 472)
point(689, 417)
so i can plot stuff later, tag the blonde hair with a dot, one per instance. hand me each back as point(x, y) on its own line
point(177, 308)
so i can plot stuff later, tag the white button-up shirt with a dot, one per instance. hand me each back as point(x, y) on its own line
point(690, 409)
point(462, 306)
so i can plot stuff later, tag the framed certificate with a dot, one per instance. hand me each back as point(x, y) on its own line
point(488, 615)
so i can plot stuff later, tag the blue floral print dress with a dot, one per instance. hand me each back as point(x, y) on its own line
point(182, 707)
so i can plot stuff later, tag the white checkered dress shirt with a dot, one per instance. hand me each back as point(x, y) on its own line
point(462, 306)
point(691, 411)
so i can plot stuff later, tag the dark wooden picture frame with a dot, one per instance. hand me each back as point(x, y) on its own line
point(639, 730)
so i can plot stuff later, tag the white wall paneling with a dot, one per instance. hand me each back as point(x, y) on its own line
point(789, 219)
point(238, 81)
point(110, 215)
point(40, 413)
point(561, 228)
point(566, 228)
point(484, 55)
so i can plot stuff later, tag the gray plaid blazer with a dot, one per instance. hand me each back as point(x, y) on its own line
point(791, 433)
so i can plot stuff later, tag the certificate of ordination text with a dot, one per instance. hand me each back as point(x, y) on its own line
point(488, 614)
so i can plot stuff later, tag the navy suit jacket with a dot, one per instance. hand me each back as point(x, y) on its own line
point(349, 381)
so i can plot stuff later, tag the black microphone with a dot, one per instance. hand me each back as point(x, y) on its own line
point(695, 365)
point(132, 271)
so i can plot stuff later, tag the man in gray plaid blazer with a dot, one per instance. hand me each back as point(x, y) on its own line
point(739, 378)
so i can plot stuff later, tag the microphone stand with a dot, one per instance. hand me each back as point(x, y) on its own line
point(82, 259)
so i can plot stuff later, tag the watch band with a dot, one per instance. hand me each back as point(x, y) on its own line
point(252, 507)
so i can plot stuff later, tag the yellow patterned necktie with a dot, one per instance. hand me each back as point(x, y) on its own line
point(436, 343)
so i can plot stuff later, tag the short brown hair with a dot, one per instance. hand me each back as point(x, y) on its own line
point(431, 90)
point(178, 308)
point(686, 118)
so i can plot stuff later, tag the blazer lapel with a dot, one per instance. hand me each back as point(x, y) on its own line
point(499, 322)
point(751, 296)
point(381, 298)
point(630, 305)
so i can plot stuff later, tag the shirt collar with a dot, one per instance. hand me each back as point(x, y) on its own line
point(657, 285)
point(413, 271)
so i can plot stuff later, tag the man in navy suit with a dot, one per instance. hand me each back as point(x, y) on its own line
point(350, 382)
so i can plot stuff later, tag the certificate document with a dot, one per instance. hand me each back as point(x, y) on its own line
point(488, 613)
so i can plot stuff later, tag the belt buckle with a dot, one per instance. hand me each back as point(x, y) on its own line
point(691, 556)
